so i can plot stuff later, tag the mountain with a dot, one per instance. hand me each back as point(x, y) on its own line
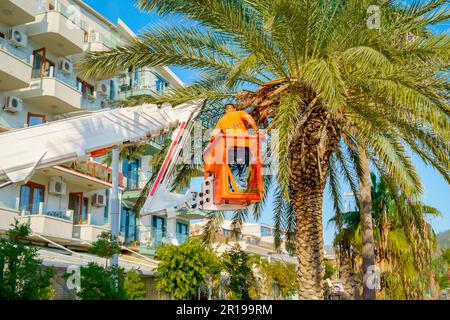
point(443, 239)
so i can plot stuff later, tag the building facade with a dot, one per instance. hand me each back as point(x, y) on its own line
point(40, 43)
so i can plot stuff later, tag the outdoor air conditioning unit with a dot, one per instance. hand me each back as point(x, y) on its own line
point(13, 104)
point(103, 89)
point(17, 38)
point(57, 186)
point(66, 66)
point(99, 200)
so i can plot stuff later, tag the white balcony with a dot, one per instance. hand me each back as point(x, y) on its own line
point(88, 232)
point(15, 67)
point(57, 93)
point(15, 12)
point(54, 31)
point(58, 228)
point(7, 218)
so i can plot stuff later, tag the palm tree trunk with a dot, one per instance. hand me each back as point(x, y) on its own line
point(365, 207)
point(309, 165)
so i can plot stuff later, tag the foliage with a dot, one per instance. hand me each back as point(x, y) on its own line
point(106, 246)
point(404, 241)
point(183, 269)
point(330, 270)
point(278, 273)
point(236, 263)
point(100, 283)
point(446, 255)
point(440, 269)
point(134, 286)
point(22, 276)
point(315, 72)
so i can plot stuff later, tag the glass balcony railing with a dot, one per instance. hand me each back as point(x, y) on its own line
point(39, 209)
point(71, 12)
point(20, 53)
point(152, 238)
point(127, 91)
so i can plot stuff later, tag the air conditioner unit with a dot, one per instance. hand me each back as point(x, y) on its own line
point(17, 38)
point(103, 89)
point(66, 66)
point(13, 104)
point(99, 200)
point(57, 186)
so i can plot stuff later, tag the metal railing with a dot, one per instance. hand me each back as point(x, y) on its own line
point(20, 53)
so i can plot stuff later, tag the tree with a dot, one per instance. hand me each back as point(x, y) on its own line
point(183, 269)
point(315, 72)
point(330, 270)
point(134, 286)
point(280, 274)
point(101, 283)
point(404, 242)
point(236, 263)
point(22, 276)
point(105, 246)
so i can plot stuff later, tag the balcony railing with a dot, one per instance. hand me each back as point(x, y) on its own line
point(28, 210)
point(92, 103)
point(20, 53)
point(152, 238)
point(71, 12)
point(127, 91)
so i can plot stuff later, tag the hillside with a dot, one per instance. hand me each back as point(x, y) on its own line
point(444, 239)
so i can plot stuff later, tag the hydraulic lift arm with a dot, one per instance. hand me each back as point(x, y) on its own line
point(24, 151)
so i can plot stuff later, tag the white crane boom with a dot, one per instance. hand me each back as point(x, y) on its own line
point(24, 151)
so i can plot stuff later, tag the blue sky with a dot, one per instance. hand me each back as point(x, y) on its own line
point(437, 191)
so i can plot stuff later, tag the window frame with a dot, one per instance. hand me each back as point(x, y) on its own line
point(32, 186)
point(36, 115)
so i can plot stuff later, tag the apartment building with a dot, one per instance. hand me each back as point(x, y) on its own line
point(40, 42)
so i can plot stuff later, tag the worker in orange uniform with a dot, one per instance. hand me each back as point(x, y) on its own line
point(236, 123)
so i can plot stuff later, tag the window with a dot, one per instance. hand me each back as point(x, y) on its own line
point(267, 232)
point(130, 170)
point(159, 229)
point(80, 207)
point(161, 84)
point(182, 228)
point(128, 224)
point(31, 195)
point(35, 119)
point(86, 88)
point(226, 232)
point(42, 67)
point(106, 212)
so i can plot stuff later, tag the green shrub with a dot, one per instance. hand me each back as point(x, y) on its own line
point(183, 269)
point(22, 276)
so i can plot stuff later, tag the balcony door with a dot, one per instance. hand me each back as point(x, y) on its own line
point(42, 67)
point(80, 207)
point(159, 229)
point(31, 195)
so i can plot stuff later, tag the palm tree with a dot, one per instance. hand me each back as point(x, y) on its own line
point(312, 70)
point(404, 243)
